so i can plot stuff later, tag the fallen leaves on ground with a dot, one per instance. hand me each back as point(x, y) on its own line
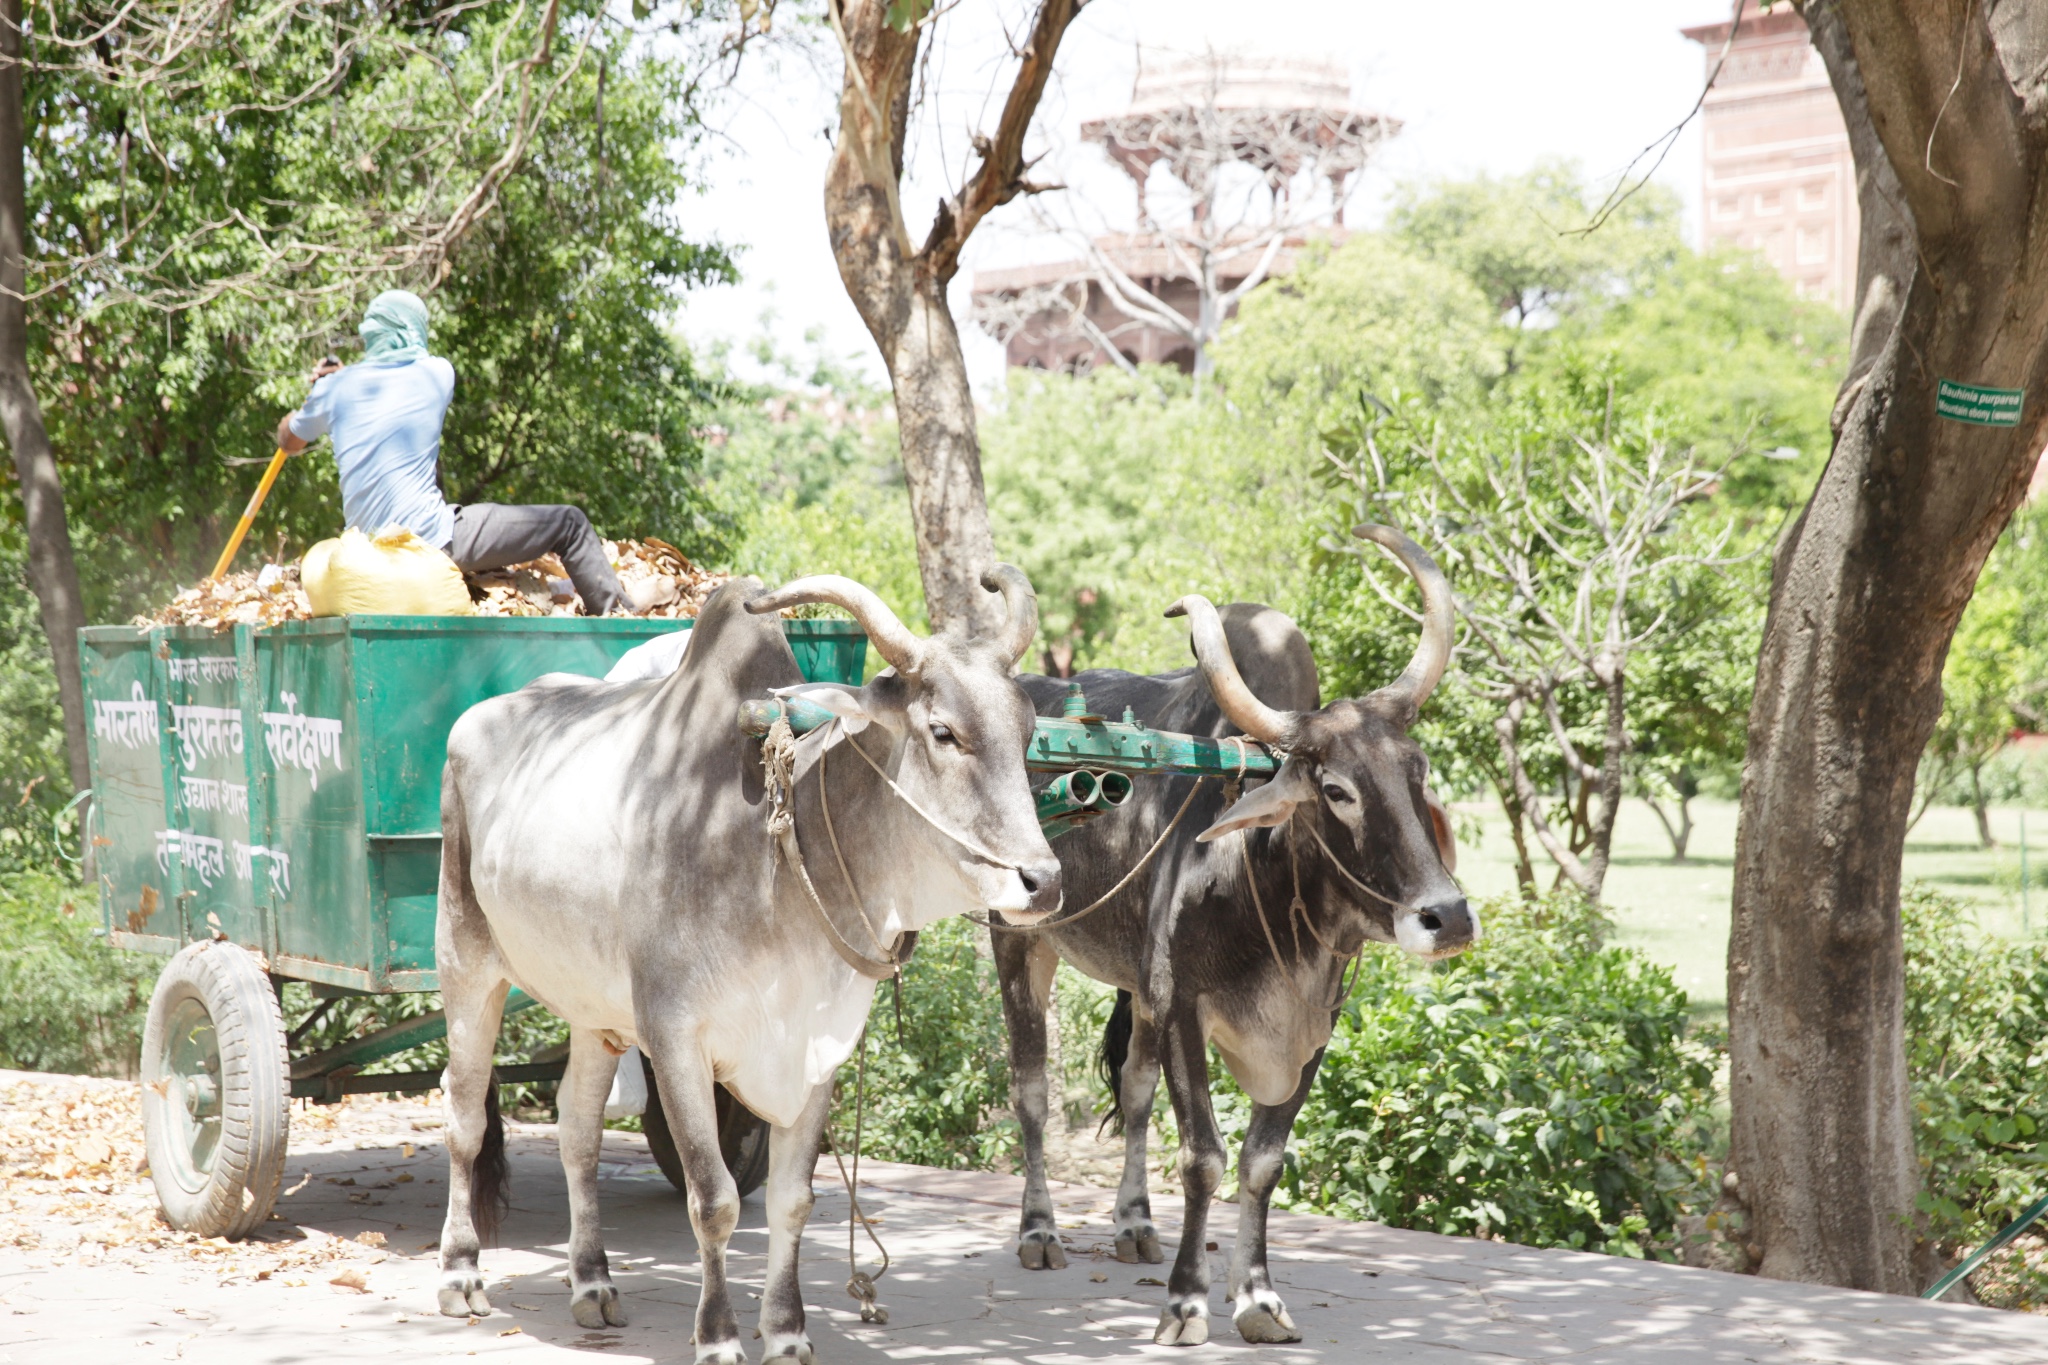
point(74, 1185)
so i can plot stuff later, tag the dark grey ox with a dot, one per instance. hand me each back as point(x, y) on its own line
point(1239, 932)
point(606, 848)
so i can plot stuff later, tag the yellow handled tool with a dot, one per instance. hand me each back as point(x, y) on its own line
point(227, 556)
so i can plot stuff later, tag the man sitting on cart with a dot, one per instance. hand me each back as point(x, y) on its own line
point(384, 415)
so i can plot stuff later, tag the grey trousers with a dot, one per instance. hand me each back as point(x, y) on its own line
point(489, 535)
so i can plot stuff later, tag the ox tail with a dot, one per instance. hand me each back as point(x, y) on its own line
point(490, 1181)
point(1116, 1049)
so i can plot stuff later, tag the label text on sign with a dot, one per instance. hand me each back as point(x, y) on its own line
point(1977, 406)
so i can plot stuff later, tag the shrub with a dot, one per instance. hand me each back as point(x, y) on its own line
point(1977, 1052)
point(931, 1096)
point(1541, 1088)
point(68, 1001)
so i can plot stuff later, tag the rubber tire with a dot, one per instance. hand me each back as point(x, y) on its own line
point(255, 1091)
point(742, 1139)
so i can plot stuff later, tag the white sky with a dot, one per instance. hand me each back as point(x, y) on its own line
point(1490, 85)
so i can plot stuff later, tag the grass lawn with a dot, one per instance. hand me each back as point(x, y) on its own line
point(1677, 913)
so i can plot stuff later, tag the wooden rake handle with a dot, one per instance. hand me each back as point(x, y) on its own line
point(270, 474)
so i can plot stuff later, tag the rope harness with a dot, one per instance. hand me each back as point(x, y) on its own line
point(860, 1285)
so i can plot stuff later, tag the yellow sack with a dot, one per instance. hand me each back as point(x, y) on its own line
point(393, 573)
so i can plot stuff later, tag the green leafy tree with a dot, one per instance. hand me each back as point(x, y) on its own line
point(1996, 679)
point(216, 193)
point(1523, 240)
point(155, 382)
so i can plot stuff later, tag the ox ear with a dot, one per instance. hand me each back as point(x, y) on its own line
point(1272, 804)
point(1440, 822)
point(845, 702)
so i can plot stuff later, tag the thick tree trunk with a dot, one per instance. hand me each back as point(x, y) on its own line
point(941, 458)
point(900, 291)
point(1866, 590)
point(52, 572)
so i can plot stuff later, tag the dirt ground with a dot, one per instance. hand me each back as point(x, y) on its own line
point(347, 1270)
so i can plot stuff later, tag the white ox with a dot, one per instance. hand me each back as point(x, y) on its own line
point(607, 848)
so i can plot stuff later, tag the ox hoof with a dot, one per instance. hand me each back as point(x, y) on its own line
point(462, 1295)
point(724, 1353)
point(1183, 1324)
point(1263, 1318)
point(1040, 1249)
point(597, 1307)
point(1138, 1244)
point(796, 1347)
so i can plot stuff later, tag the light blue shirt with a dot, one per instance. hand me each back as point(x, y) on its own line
point(385, 419)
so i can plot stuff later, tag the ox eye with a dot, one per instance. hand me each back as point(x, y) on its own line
point(944, 735)
point(1337, 795)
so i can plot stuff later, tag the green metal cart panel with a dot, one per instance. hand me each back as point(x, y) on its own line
point(282, 785)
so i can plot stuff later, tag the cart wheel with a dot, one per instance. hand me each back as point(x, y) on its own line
point(216, 1091)
point(742, 1138)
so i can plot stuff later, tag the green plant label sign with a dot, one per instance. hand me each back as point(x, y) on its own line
point(1980, 407)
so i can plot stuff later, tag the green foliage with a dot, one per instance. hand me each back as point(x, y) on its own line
point(1072, 468)
point(1541, 1088)
point(1996, 678)
point(1522, 239)
point(931, 1095)
point(68, 1002)
point(1369, 315)
point(1976, 1024)
point(550, 307)
point(1734, 362)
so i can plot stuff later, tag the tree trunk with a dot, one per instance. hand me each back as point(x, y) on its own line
point(1978, 806)
point(1867, 587)
point(52, 572)
point(900, 291)
point(1678, 831)
point(941, 459)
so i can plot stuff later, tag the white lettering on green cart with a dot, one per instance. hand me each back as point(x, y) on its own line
point(203, 853)
point(297, 741)
point(206, 731)
point(203, 668)
point(208, 793)
point(130, 724)
point(279, 860)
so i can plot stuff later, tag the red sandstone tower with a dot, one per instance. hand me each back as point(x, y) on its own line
point(1778, 176)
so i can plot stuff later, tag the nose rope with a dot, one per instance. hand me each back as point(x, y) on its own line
point(1345, 873)
point(1106, 897)
point(941, 826)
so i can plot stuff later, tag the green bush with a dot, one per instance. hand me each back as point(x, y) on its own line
point(1541, 1088)
point(935, 1096)
point(68, 1002)
point(1977, 1051)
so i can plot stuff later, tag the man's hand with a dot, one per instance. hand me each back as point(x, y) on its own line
point(287, 441)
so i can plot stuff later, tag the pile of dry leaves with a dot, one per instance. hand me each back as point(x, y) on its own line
point(659, 581)
point(74, 1183)
point(264, 597)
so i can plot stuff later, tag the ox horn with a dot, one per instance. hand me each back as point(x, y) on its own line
point(1226, 684)
point(1439, 613)
point(1020, 631)
point(890, 637)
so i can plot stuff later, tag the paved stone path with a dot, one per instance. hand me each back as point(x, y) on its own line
point(1361, 1293)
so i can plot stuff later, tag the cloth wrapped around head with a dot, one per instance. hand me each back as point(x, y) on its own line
point(395, 327)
